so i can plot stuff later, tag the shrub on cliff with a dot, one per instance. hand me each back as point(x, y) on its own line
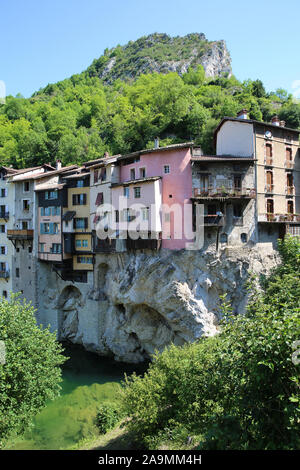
point(238, 390)
point(29, 367)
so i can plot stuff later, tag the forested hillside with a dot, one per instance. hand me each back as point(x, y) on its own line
point(80, 118)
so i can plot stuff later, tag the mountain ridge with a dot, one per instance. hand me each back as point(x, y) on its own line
point(161, 53)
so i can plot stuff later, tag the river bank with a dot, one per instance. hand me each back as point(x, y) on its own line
point(88, 381)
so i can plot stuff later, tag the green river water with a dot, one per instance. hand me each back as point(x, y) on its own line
point(88, 381)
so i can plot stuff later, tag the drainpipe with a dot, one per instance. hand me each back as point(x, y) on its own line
point(255, 180)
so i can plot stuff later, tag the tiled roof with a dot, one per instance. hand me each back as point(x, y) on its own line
point(141, 180)
point(221, 158)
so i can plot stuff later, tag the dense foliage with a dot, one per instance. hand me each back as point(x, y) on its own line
point(31, 374)
point(238, 390)
point(108, 416)
point(80, 118)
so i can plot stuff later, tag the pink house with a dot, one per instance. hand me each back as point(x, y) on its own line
point(161, 180)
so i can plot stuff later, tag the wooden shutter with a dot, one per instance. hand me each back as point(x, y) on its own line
point(99, 199)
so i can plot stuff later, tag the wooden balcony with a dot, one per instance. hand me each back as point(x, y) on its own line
point(214, 220)
point(224, 193)
point(279, 218)
point(105, 246)
point(143, 244)
point(20, 234)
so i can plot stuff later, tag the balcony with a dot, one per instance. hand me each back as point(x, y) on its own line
point(214, 220)
point(290, 190)
point(105, 246)
point(238, 221)
point(224, 193)
point(269, 188)
point(4, 215)
point(268, 161)
point(289, 164)
point(279, 218)
point(4, 274)
point(20, 234)
point(142, 244)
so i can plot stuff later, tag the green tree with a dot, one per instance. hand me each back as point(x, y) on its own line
point(31, 373)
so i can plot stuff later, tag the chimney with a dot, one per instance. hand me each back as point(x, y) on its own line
point(58, 164)
point(275, 121)
point(243, 114)
point(282, 123)
point(106, 154)
point(156, 143)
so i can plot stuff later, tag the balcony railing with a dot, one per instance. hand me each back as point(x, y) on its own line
point(270, 217)
point(290, 190)
point(224, 192)
point(214, 220)
point(269, 161)
point(4, 214)
point(238, 221)
point(20, 234)
point(289, 164)
point(4, 274)
point(269, 188)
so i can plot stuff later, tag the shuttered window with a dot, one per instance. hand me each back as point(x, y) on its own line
point(99, 199)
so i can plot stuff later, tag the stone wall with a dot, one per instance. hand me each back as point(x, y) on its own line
point(134, 304)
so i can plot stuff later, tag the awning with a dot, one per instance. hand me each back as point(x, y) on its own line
point(68, 216)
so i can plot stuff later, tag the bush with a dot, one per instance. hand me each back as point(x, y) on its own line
point(239, 389)
point(107, 417)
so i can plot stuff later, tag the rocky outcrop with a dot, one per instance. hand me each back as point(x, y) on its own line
point(162, 54)
point(136, 304)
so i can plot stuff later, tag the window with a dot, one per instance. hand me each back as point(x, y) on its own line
point(145, 213)
point(24, 225)
point(223, 238)
point(79, 199)
point(166, 169)
point(290, 207)
point(137, 192)
point(3, 250)
point(17, 272)
point(30, 249)
point(99, 199)
point(51, 195)
point(55, 228)
point(237, 211)
point(80, 184)
point(45, 228)
point(56, 248)
point(78, 243)
point(237, 181)
point(244, 237)
point(85, 243)
point(47, 211)
point(80, 223)
point(132, 174)
point(26, 186)
point(288, 154)
point(84, 260)
point(269, 154)
point(126, 191)
point(95, 176)
point(2, 228)
point(42, 247)
point(142, 172)
point(4, 293)
point(269, 181)
point(117, 216)
point(103, 174)
point(26, 204)
point(3, 192)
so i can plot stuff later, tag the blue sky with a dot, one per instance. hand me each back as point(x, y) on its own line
point(43, 41)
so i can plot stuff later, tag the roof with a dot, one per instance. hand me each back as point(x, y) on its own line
point(49, 187)
point(9, 169)
point(221, 158)
point(159, 149)
point(77, 175)
point(24, 172)
point(141, 180)
point(251, 121)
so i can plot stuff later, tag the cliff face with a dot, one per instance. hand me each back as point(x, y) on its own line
point(162, 53)
point(135, 304)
